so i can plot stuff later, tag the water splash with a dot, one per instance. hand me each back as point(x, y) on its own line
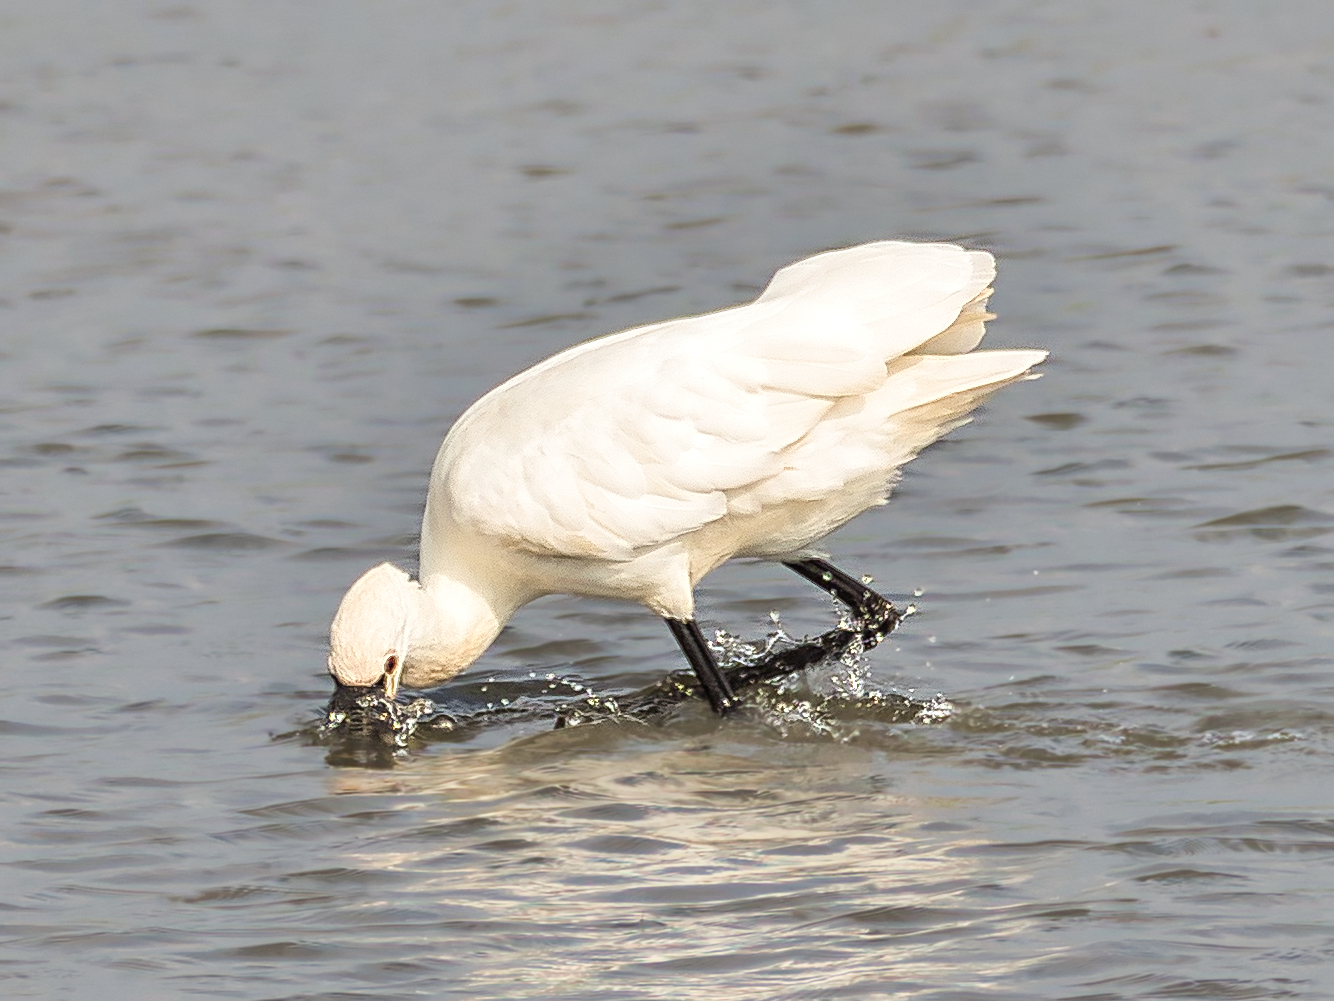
point(772, 672)
point(936, 709)
point(733, 651)
point(794, 703)
point(369, 713)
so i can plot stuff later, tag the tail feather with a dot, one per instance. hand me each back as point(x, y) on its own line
point(965, 333)
point(942, 406)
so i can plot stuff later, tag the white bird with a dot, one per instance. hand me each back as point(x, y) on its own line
point(631, 465)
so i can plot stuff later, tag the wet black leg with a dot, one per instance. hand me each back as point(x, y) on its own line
point(714, 682)
point(877, 614)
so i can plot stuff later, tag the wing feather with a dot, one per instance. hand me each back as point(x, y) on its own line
point(642, 437)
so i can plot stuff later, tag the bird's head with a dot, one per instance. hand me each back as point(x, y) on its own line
point(368, 641)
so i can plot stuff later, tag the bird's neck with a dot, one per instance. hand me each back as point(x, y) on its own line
point(453, 625)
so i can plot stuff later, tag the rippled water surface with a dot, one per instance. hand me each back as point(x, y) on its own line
point(256, 256)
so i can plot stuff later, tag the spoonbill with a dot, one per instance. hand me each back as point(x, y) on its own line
point(631, 465)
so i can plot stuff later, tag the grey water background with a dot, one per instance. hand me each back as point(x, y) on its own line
point(256, 256)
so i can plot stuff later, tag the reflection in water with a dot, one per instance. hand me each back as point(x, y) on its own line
point(658, 865)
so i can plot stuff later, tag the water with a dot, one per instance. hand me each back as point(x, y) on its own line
point(257, 256)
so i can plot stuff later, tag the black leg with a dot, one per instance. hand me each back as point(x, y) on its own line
point(877, 614)
point(714, 682)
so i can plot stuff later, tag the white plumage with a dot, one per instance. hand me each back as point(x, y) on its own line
point(631, 465)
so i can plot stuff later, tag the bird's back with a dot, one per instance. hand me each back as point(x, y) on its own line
point(754, 430)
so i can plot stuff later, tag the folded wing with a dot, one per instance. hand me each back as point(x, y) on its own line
point(846, 366)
